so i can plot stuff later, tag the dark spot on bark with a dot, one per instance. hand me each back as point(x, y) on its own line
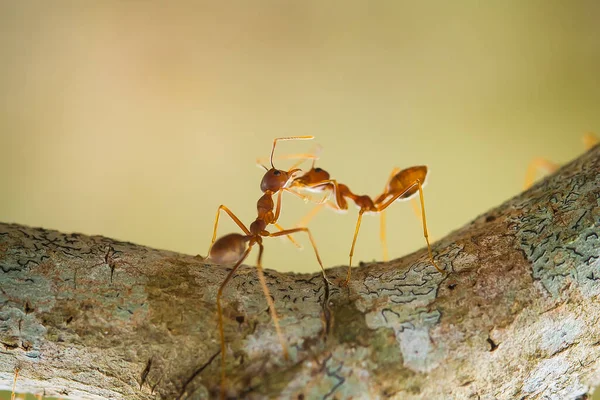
point(69, 319)
point(145, 372)
point(28, 308)
point(493, 346)
point(240, 319)
point(301, 396)
point(452, 286)
point(490, 218)
point(9, 346)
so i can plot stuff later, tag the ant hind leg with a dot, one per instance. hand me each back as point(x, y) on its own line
point(263, 284)
point(233, 217)
point(220, 316)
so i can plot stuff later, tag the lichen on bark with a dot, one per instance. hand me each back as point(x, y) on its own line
point(516, 316)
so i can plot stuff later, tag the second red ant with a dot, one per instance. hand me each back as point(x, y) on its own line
point(402, 184)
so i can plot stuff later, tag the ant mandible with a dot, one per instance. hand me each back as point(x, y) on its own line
point(233, 248)
point(401, 185)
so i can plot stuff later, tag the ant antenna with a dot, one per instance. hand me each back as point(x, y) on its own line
point(287, 138)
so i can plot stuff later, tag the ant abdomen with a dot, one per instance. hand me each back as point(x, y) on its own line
point(407, 177)
point(228, 249)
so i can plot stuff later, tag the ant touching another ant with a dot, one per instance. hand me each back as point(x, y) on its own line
point(233, 248)
point(401, 185)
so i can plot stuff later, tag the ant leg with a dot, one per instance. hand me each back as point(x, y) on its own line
point(382, 225)
point(425, 233)
point(590, 140)
point(382, 230)
point(534, 166)
point(303, 197)
point(278, 208)
point(415, 206)
point(220, 314)
point(312, 241)
point(306, 198)
point(360, 214)
point(311, 214)
point(233, 217)
point(263, 284)
point(416, 209)
point(392, 176)
point(14, 387)
point(281, 228)
point(423, 218)
point(381, 198)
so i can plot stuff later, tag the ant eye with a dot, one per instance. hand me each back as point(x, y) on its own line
point(318, 170)
point(276, 172)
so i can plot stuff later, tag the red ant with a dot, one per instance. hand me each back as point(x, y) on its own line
point(401, 185)
point(589, 140)
point(235, 247)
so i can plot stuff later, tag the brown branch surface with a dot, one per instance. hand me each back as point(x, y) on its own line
point(516, 317)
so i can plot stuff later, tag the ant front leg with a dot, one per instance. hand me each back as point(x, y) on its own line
point(312, 241)
point(233, 217)
point(281, 228)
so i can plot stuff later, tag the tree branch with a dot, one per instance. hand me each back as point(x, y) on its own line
point(516, 317)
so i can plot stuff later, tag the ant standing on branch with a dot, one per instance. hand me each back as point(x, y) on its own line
point(234, 247)
point(401, 185)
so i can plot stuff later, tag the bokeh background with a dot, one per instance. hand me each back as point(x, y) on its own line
point(136, 119)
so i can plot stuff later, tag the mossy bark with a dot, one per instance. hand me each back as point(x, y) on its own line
point(516, 316)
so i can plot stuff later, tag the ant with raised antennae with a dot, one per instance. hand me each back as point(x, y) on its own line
point(233, 248)
point(401, 185)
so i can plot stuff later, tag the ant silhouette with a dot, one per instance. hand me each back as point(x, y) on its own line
point(233, 248)
point(402, 184)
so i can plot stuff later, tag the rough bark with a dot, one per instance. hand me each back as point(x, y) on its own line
point(516, 317)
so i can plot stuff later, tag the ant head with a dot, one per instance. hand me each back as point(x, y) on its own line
point(275, 179)
point(312, 177)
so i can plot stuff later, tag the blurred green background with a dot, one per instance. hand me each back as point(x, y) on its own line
point(135, 120)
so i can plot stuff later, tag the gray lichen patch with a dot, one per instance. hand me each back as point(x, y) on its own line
point(419, 352)
point(559, 234)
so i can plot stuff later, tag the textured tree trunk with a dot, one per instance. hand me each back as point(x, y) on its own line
point(515, 317)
